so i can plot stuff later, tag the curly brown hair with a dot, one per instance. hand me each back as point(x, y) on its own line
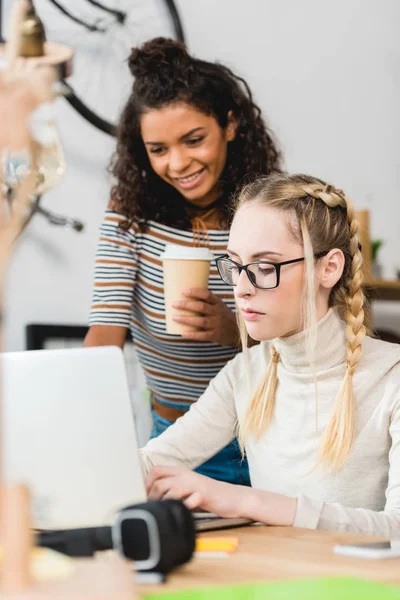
point(165, 73)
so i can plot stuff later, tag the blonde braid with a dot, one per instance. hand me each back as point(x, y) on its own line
point(339, 434)
point(328, 194)
point(261, 408)
point(354, 315)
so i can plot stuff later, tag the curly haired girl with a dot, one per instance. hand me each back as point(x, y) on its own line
point(189, 135)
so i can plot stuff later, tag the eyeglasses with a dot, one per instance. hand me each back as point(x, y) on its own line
point(263, 274)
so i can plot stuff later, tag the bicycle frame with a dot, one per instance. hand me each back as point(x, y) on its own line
point(120, 16)
point(71, 97)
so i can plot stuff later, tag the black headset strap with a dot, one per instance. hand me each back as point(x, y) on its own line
point(77, 542)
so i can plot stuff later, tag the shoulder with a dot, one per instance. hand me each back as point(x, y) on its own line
point(115, 225)
point(380, 353)
point(112, 217)
point(381, 360)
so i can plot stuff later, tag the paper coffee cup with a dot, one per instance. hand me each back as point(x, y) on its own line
point(184, 268)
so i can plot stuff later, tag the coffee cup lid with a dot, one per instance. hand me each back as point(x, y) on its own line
point(177, 252)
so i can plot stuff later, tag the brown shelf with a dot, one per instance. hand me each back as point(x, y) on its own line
point(383, 289)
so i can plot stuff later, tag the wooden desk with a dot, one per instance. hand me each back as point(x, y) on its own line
point(268, 553)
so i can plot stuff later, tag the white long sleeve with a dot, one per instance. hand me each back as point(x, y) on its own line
point(207, 427)
point(333, 515)
point(364, 495)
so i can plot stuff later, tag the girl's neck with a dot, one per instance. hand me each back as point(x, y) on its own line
point(330, 346)
point(210, 218)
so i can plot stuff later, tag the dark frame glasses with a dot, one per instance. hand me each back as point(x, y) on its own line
point(220, 260)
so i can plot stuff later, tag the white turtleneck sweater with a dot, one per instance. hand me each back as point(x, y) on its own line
point(364, 496)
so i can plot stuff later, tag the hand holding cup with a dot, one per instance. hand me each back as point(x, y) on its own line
point(191, 310)
point(206, 318)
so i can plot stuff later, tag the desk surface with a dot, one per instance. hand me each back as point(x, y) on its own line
point(271, 553)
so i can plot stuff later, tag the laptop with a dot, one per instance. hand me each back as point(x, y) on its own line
point(69, 435)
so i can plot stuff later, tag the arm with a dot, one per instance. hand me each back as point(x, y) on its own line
point(115, 275)
point(208, 426)
point(224, 499)
point(330, 515)
point(277, 509)
point(317, 514)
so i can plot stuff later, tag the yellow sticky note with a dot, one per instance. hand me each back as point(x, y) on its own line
point(233, 541)
point(224, 538)
point(216, 544)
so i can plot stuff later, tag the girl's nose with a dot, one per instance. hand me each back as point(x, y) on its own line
point(178, 162)
point(244, 287)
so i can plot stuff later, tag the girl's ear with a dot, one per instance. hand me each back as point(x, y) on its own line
point(331, 268)
point(231, 127)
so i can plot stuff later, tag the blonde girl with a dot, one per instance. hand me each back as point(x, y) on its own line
point(316, 404)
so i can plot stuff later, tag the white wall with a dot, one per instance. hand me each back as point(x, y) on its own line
point(327, 75)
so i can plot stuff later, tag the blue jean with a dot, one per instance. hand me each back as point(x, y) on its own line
point(227, 465)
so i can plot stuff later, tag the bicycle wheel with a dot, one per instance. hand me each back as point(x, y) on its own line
point(102, 34)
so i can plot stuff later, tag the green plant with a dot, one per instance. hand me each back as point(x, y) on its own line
point(375, 246)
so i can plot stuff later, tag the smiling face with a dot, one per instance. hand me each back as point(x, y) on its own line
point(277, 312)
point(187, 149)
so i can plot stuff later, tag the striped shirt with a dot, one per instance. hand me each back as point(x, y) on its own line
point(129, 291)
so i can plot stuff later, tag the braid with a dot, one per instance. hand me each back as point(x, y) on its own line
point(328, 194)
point(261, 408)
point(354, 315)
point(351, 296)
point(338, 437)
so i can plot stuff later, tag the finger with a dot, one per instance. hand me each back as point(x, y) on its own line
point(195, 306)
point(157, 473)
point(159, 488)
point(201, 294)
point(176, 493)
point(193, 501)
point(202, 323)
point(199, 336)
